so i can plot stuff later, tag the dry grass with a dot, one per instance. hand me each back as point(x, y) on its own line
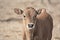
point(11, 25)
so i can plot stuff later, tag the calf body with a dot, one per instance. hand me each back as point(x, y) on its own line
point(44, 26)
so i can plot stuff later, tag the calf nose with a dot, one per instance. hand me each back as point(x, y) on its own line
point(30, 25)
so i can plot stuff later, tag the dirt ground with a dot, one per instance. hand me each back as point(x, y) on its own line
point(11, 23)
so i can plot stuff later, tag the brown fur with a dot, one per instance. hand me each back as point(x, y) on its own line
point(43, 25)
point(29, 12)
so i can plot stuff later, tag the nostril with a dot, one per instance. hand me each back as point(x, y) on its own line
point(30, 25)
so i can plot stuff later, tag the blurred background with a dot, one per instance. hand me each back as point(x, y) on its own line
point(11, 27)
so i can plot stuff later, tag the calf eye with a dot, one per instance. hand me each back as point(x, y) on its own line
point(24, 16)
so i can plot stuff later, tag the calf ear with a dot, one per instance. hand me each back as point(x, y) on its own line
point(18, 11)
point(40, 12)
point(43, 10)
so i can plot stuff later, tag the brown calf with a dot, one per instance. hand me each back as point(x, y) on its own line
point(38, 25)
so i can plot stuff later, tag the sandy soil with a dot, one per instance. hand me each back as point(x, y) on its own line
point(11, 23)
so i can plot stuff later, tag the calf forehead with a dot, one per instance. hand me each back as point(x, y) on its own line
point(30, 11)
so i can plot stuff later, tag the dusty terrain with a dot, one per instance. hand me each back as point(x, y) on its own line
point(11, 23)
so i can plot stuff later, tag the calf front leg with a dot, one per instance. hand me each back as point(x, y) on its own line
point(24, 36)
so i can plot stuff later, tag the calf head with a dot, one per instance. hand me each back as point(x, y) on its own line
point(30, 16)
